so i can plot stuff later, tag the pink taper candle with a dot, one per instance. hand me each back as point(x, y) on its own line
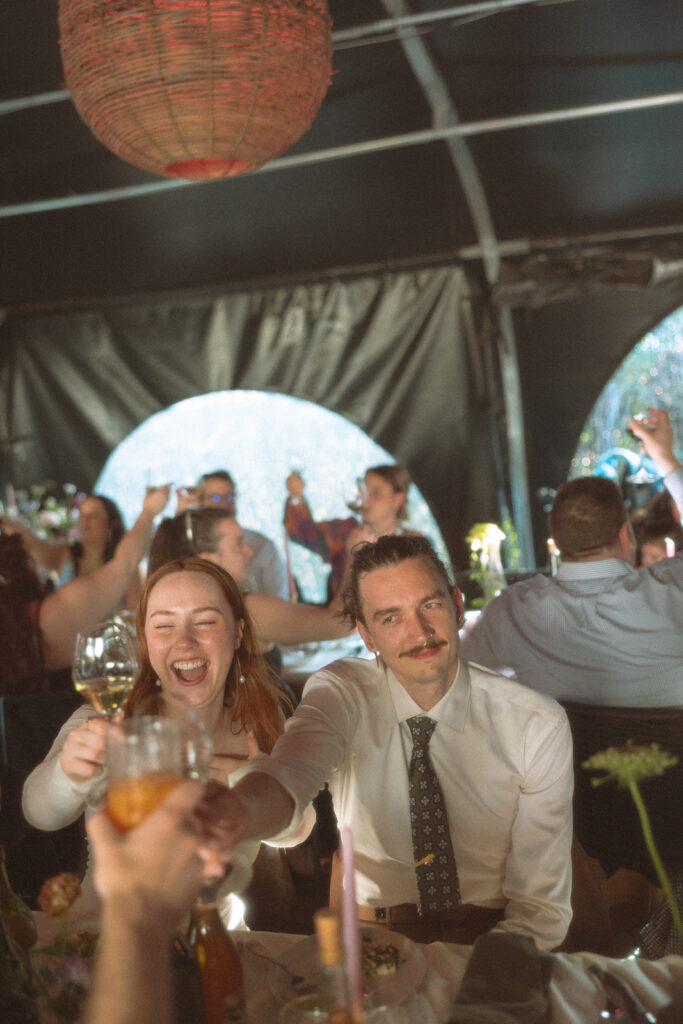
point(350, 932)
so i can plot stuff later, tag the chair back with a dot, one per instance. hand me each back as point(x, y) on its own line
point(605, 818)
point(29, 723)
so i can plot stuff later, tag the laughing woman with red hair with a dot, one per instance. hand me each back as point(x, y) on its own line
point(199, 662)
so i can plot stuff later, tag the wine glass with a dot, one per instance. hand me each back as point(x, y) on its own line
point(354, 496)
point(105, 666)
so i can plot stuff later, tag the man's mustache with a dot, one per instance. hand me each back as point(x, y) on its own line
point(429, 645)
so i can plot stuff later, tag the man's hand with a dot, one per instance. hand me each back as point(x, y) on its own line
point(222, 817)
point(223, 765)
point(186, 497)
point(656, 436)
point(156, 869)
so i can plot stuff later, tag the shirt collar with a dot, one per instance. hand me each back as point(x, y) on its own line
point(451, 709)
point(600, 568)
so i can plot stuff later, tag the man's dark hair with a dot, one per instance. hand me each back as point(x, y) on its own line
point(219, 474)
point(392, 549)
point(586, 517)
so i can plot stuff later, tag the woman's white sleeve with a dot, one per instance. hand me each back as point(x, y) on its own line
point(50, 800)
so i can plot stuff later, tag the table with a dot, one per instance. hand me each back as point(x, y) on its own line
point(575, 995)
point(301, 661)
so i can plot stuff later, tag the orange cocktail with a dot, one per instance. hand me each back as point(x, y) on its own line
point(144, 763)
point(131, 798)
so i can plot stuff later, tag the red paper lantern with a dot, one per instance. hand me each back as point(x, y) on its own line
point(196, 88)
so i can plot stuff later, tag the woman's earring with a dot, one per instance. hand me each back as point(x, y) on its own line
point(158, 684)
point(238, 671)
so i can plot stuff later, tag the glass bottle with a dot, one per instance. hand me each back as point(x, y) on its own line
point(334, 986)
point(219, 962)
point(188, 998)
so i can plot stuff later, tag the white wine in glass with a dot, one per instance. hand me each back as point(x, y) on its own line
point(105, 666)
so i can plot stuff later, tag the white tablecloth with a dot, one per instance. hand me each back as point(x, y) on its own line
point(575, 995)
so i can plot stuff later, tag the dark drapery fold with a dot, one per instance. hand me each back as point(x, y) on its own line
point(386, 350)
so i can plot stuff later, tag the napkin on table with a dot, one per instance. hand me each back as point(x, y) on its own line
point(506, 982)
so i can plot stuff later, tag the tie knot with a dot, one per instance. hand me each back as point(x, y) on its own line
point(421, 728)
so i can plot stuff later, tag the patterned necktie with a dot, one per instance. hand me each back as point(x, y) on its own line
point(436, 871)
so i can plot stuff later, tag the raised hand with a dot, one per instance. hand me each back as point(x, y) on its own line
point(656, 436)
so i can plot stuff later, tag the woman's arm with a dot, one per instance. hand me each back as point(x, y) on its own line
point(285, 622)
point(133, 591)
point(51, 799)
point(89, 598)
point(49, 555)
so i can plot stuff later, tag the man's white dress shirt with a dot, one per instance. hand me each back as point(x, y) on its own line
point(503, 755)
point(598, 632)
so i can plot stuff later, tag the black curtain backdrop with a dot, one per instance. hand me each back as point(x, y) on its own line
point(388, 351)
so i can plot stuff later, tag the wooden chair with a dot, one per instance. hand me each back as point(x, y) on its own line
point(28, 725)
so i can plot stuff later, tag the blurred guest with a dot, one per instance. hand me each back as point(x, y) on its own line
point(598, 631)
point(267, 573)
point(100, 528)
point(215, 534)
point(39, 628)
point(382, 503)
point(656, 539)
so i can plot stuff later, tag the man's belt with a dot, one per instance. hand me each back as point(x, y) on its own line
point(407, 913)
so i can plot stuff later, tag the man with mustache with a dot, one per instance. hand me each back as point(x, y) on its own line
point(502, 755)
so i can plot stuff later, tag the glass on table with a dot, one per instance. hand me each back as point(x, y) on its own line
point(105, 666)
point(144, 763)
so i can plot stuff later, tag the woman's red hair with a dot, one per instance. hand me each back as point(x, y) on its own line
point(254, 704)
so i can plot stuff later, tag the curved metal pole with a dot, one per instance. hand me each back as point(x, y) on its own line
point(352, 149)
point(356, 32)
point(444, 114)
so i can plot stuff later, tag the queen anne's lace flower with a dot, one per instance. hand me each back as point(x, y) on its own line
point(630, 763)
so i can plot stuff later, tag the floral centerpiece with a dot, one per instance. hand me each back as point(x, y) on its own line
point(50, 515)
point(486, 564)
point(42, 985)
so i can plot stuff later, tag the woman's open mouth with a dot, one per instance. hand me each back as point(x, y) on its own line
point(190, 672)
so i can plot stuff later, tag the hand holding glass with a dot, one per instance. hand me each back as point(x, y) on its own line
point(144, 763)
point(105, 666)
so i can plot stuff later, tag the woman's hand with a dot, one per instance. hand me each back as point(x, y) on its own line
point(82, 756)
point(223, 765)
point(156, 500)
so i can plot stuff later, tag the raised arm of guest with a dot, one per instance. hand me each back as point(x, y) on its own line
point(51, 555)
point(147, 879)
point(326, 538)
point(656, 435)
point(89, 598)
